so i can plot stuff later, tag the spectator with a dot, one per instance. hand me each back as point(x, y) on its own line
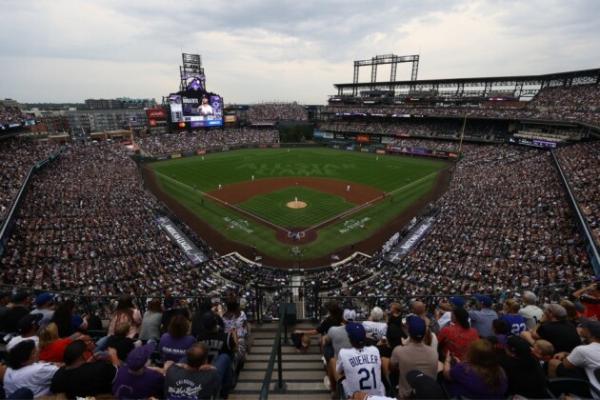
point(176, 341)
point(66, 320)
point(483, 318)
point(17, 309)
point(556, 329)
point(515, 321)
point(589, 296)
point(126, 312)
point(585, 358)
point(135, 380)
point(44, 305)
point(414, 355)
point(479, 376)
point(375, 327)
point(531, 312)
point(82, 378)
point(119, 340)
point(25, 371)
point(28, 327)
point(150, 328)
point(456, 337)
point(447, 307)
point(193, 379)
point(360, 364)
point(524, 373)
point(52, 347)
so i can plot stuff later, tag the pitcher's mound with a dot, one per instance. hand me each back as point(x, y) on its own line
point(296, 204)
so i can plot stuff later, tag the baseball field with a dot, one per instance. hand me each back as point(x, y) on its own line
point(298, 205)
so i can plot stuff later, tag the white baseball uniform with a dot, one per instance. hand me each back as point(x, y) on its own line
point(362, 369)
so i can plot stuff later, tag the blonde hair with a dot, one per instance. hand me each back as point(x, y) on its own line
point(48, 335)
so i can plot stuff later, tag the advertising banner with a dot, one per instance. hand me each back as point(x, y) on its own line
point(186, 245)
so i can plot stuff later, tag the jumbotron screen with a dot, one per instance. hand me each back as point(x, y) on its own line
point(196, 112)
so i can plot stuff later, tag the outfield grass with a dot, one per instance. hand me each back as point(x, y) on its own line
point(273, 206)
point(407, 179)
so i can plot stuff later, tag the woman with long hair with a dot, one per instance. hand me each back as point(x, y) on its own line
point(236, 323)
point(66, 320)
point(457, 336)
point(479, 376)
point(174, 343)
point(126, 312)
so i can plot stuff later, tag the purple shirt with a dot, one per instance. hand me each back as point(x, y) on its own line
point(466, 383)
point(173, 349)
point(128, 385)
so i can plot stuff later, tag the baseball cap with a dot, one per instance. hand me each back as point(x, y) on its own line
point(424, 386)
point(43, 298)
point(138, 357)
point(349, 315)
point(416, 327)
point(457, 301)
point(356, 332)
point(28, 321)
point(486, 301)
point(556, 309)
point(591, 325)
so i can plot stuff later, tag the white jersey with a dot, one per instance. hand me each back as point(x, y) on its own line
point(362, 369)
point(375, 330)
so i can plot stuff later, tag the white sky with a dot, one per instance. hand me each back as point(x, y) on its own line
point(67, 51)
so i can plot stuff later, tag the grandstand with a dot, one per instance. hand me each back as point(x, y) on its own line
point(512, 244)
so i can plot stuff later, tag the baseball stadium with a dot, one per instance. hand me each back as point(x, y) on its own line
point(401, 238)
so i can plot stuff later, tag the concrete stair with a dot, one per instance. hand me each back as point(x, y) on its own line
point(302, 372)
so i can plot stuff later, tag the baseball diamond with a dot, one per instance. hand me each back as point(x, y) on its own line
point(327, 188)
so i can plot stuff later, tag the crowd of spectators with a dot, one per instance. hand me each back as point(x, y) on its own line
point(503, 224)
point(439, 128)
point(17, 156)
point(217, 139)
point(581, 164)
point(273, 112)
point(173, 351)
point(465, 347)
point(11, 116)
point(579, 103)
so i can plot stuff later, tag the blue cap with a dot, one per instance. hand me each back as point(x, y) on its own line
point(416, 327)
point(356, 332)
point(457, 301)
point(486, 301)
point(43, 298)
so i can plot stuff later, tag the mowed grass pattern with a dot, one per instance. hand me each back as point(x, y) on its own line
point(383, 172)
point(408, 178)
point(273, 206)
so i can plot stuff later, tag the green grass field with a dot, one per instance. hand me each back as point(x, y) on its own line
point(273, 206)
point(404, 179)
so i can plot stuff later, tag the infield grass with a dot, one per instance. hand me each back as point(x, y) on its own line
point(405, 180)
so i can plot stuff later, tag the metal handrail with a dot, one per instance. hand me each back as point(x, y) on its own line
point(275, 352)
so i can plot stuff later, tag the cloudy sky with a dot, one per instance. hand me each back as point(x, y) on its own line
point(66, 50)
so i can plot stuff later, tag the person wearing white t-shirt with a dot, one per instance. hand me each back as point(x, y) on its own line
point(25, 371)
point(587, 356)
point(28, 327)
point(360, 365)
point(375, 327)
point(531, 312)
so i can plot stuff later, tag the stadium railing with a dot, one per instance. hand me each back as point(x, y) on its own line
point(582, 224)
point(275, 355)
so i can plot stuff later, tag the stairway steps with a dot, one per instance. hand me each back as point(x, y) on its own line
point(284, 350)
point(286, 357)
point(287, 365)
point(309, 386)
point(288, 375)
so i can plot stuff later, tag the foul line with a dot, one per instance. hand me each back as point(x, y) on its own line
point(225, 204)
point(363, 206)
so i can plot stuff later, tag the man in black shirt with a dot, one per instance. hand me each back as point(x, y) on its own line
point(556, 329)
point(17, 309)
point(194, 379)
point(79, 378)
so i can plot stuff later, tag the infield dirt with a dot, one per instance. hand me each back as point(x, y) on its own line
point(240, 192)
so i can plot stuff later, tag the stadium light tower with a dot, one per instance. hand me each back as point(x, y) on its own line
point(392, 59)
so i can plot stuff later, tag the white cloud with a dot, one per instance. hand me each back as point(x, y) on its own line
point(67, 50)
